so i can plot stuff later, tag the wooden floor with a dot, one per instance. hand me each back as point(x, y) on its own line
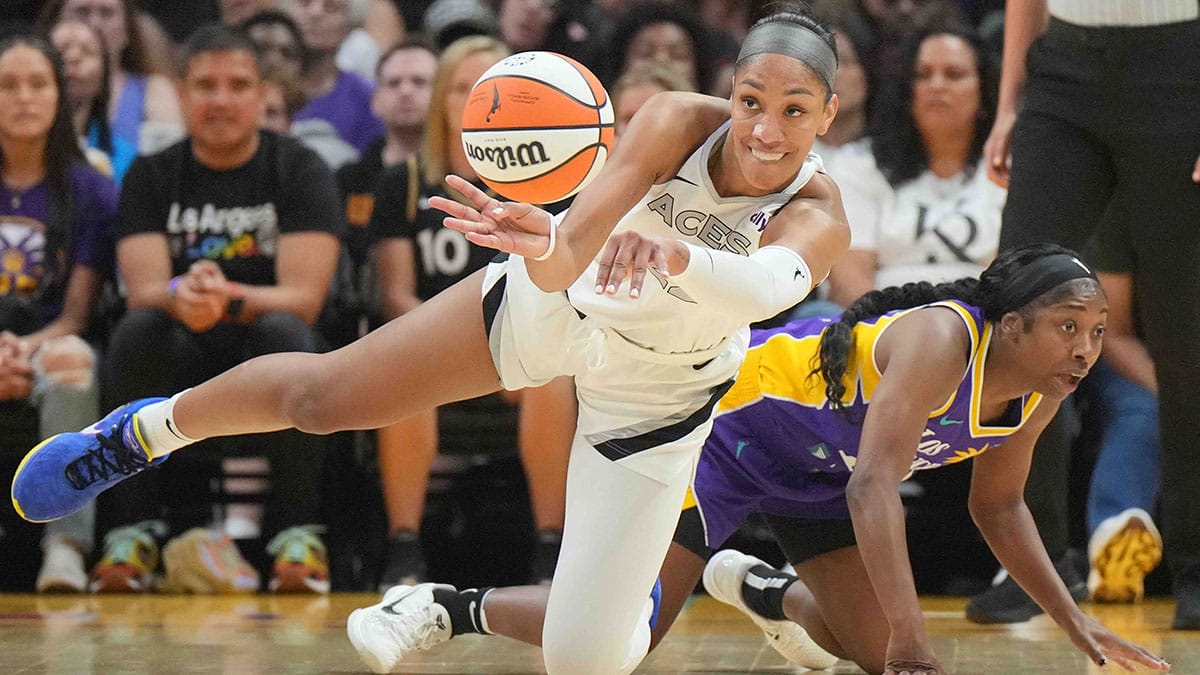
point(264, 634)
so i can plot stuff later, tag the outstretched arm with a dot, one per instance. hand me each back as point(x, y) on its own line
point(922, 357)
point(998, 507)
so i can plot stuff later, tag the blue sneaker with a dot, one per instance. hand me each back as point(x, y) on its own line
point(64, 472)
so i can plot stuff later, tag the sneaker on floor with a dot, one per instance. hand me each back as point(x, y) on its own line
point(129, 560)
point(301, 562)
point(1007, 602)
point(64, 472)
point(405, 562)
point(406, 620)
point(1122, 551)
point(62, 569)
point(723, 577)
point(203, 561)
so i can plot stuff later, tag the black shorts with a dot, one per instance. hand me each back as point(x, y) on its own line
point(800, 539)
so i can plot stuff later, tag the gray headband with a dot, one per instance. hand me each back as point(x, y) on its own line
point(794, 40)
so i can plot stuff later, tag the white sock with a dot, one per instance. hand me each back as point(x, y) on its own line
point(156, 422)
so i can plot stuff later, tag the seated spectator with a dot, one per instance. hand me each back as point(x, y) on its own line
point(664, 33)
point(85, 64)
point(144, 110)
point(404, 84)
point(551, 25)
point(852, 84)
point(55, 218)
point(281, 47)
point(416, 258)
point(281, 99)
point(227, 245)
point(340, 98)
point(919, 207)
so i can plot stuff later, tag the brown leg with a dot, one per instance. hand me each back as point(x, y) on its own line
point(435, 354)
point(837, 606)
point(406, 453)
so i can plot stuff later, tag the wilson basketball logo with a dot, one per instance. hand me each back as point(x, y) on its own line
point(504, 156)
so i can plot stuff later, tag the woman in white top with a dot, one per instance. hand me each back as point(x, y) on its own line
point(920, 208)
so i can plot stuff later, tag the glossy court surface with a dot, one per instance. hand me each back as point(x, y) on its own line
point(265, 634)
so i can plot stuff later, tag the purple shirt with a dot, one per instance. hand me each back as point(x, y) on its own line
point(348, 108)
point(24, 217)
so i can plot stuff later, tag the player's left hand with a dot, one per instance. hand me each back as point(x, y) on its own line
point(512, 227)
point(1196, 171)
point(631, 254)
point(1102, 645)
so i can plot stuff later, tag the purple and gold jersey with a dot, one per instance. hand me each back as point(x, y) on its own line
point(777, 447)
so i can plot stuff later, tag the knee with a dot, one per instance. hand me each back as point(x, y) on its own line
point(68, 362)
point(304, 399)
point(281, 332)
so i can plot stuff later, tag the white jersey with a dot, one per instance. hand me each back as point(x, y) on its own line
point(927, 229)
point(686, 207)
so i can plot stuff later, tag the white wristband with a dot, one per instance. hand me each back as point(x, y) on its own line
point(553, 241)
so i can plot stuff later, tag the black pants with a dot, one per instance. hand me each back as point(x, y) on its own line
point(1112, 116)
point(150, 354)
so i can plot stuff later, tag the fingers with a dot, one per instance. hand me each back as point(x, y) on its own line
point(454, 209)
point(477, 197)
point(467, 226)
point(1196, 171)
point(607, 277)
point(641, 260)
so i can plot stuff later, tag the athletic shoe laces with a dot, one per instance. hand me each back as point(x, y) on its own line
point(108, 459)
point(419, 629)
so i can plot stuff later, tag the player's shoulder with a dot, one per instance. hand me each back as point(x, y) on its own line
point(676, 116)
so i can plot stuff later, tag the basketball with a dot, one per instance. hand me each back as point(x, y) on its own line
point(537, 127)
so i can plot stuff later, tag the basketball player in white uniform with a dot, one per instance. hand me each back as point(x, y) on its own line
point(711, 215)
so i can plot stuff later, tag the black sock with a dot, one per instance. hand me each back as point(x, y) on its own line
point(465, 609)
point(763, 591)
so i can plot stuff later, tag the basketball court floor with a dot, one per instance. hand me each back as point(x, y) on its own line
point(265, 634)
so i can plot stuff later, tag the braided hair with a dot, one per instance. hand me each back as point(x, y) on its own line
point(994, 292)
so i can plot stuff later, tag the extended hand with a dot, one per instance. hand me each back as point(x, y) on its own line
point(512, 227)
point(1101, 645)
point(630, 254)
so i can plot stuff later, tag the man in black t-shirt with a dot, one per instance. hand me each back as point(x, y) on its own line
point(227, 246)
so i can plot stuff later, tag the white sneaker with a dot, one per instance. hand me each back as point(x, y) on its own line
point(62, 569)
point(723, 577)
point(1121, 552)
point(406, 620)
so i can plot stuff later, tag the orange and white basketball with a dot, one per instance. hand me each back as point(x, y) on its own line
point(537, 127)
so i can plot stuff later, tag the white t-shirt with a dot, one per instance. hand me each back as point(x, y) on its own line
point(928, 229)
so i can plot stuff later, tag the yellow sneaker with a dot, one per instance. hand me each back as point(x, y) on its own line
point(129, 561)
point(1122, 551)
point(301, 562)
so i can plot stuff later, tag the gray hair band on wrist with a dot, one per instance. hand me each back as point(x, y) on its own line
point(798, 42)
